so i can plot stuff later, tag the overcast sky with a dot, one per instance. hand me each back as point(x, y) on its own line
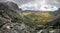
point(23, 2)
point(19, 2)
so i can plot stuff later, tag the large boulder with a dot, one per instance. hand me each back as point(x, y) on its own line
point(9, 11)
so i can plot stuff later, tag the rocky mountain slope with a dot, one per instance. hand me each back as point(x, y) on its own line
point(9, 15)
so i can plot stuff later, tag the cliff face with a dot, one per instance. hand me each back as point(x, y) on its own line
point(9, 11)
point(9, 15)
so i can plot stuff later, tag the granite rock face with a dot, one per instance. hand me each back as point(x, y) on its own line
point(9, 14)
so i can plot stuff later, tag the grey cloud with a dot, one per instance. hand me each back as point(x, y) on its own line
point(20, 2)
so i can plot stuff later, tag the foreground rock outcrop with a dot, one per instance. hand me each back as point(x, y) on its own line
point(9, 15)
point(16, 28)
point(8, 12)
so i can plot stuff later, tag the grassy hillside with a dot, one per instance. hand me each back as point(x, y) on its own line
point(36, 18)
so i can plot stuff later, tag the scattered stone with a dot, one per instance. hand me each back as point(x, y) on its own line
point(16, 28)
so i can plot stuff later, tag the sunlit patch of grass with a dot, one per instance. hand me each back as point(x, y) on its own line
point(36, 18)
